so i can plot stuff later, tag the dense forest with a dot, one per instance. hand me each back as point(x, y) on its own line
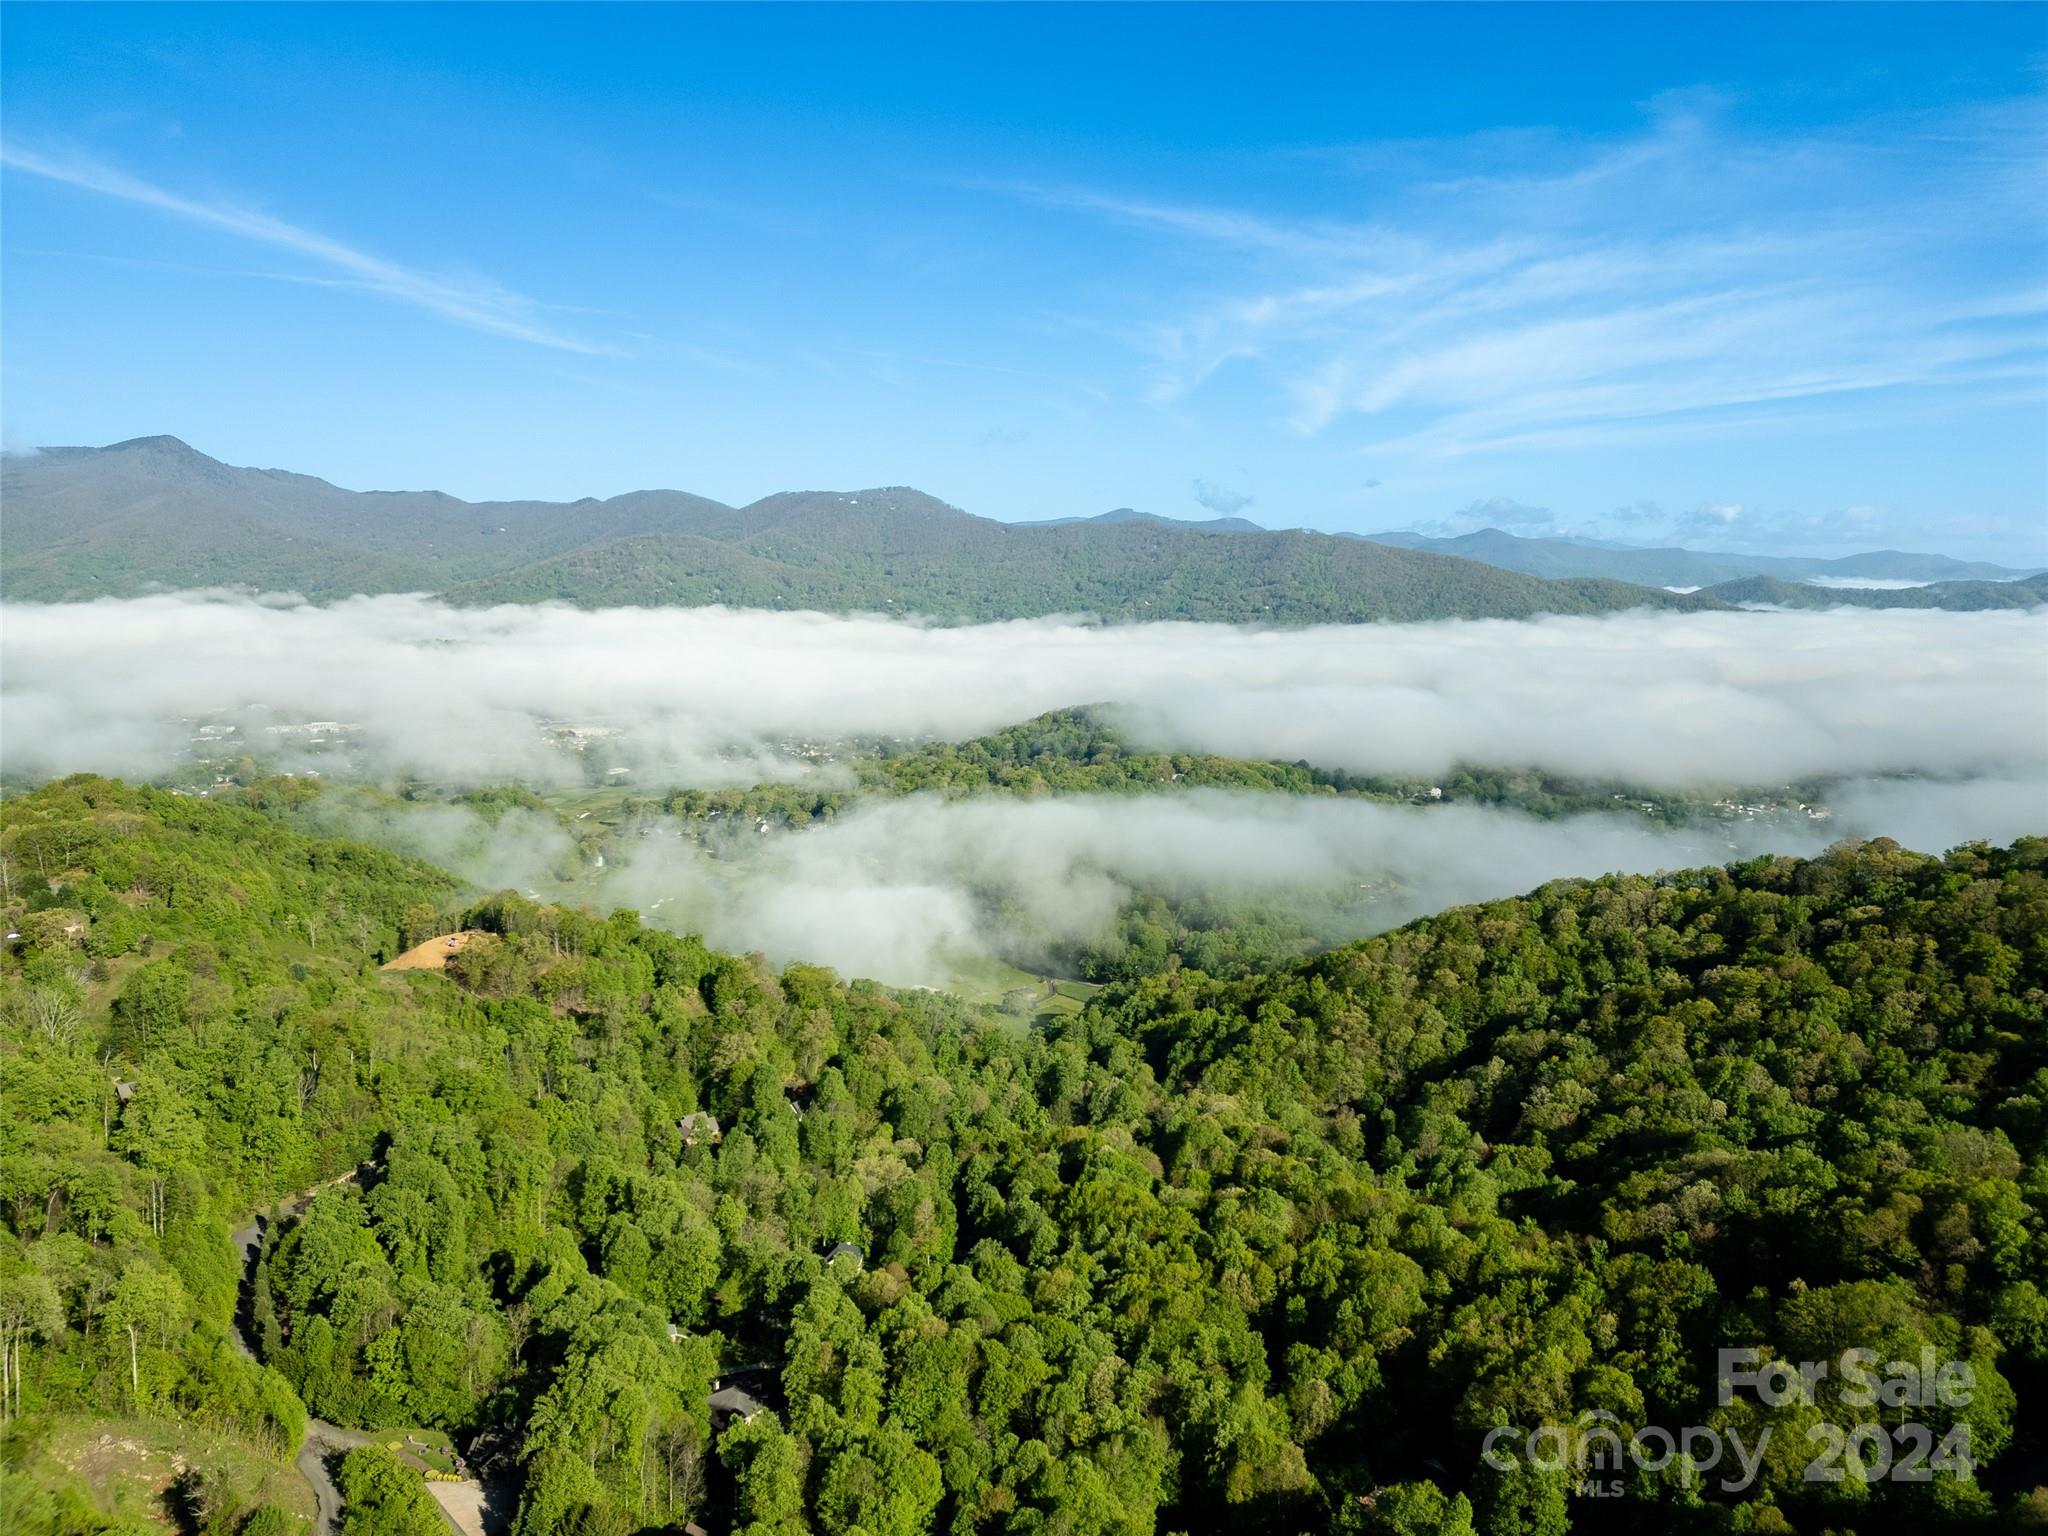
point(1264, 1254)
point(978, 571)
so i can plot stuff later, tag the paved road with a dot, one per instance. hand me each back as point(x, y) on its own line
point(323, 1440)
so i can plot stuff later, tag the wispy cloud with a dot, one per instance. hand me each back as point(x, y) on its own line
point(475, 302)
point(1223, 225)
point(1549, 293)
point(1220, 499)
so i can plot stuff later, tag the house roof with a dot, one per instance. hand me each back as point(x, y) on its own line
point(733, 1400)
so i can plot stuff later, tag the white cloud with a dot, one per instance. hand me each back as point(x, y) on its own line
point(475, 302)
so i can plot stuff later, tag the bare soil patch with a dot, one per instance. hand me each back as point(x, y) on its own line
point(433, 954)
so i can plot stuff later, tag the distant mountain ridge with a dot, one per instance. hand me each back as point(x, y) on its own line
point(1132, 515)
point(1560, 557)
point(153, 513)
point(1956, 596)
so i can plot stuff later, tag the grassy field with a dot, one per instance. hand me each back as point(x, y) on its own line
point(1068, 997)
point(1025, 995)
point(601, 802)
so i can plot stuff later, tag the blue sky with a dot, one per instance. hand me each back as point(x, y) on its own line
point(1761, 277)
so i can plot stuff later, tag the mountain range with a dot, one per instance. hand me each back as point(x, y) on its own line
point(153, 514)
point(1668, 567)
point(1560, 557)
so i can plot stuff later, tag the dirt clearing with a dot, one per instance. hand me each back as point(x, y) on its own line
point(433, 954)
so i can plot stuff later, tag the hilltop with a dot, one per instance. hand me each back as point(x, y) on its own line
point(1133, 515)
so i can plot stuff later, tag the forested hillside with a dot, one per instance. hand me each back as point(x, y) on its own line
point(154, 513)
point(1270, 1254)
point(1956, 596)
point(989, 571)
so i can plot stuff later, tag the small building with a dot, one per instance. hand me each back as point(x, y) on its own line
point(699, 1125)
point(730, 1404)
point(840, 1251)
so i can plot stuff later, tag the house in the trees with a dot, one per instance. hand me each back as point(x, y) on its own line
point(730, 1404)
point(699, 1125)
point(840, 1251)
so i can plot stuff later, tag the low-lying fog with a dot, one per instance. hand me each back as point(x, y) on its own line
point(905, 890)
point(464, 694)
point(910, 891)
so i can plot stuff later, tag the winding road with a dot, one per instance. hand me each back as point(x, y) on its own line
point(323, 1439)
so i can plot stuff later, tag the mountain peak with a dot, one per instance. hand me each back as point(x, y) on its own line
point(162, 443)
point(1121, 515)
